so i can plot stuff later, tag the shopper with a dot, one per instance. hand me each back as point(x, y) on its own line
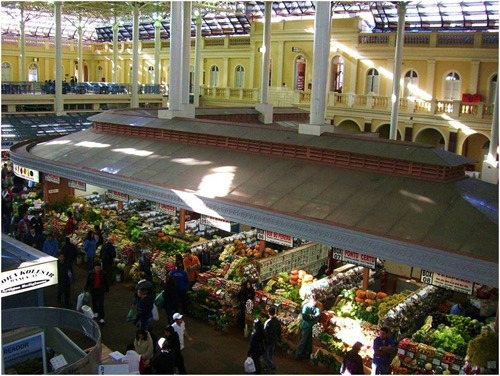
point(34, 239)
point(63, 281)
point(50, 245)
point(457, 309)
point(144, 309)
point(272, 329)
point(257, 344)
point(247, 292)
point(175, 344)
point(383, 351)
point(97, 285)
point(69, 228)
point(180, 327)
point(37, 222)
point(182, 283)
point(311, 314)
point(170, 298)
point(164, 362)
point(98, 236)
point(89, 247)
point(143, 344)
point(70, 252)
point(353, 363)
point(133, 359)
point(192, 267)
point(108, 254)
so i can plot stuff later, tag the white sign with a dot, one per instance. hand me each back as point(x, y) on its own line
point(275, 237)
point(26, 349)
point(353, 257)
point(215, 222)
point(447, 282)
point(118, 196)
point(26, 173)
point(28, 278)
point(167, 209)
point(52, 178)
point(53, 191)
point(77, 185)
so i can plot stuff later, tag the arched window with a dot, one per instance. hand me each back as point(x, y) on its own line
point(239, 77)
point(452, 86)
point(300, 73)
point(410, 83)
point(214, 76)
point(100, 74)
point(491, 92)
point(337, 76)
point(33, 73)
point(6, 72)
point(372, 81)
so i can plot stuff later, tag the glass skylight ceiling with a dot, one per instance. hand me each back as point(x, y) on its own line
point(235, 17)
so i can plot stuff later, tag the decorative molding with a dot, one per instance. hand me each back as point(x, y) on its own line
point(407, 253)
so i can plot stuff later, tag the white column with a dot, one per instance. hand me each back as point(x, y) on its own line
point(174, 87)
point(264, 108)
point(157, 52)
point(22, 57)
point(321, 53)
point(474, 77)
point(186, 51)
point(80, 54)
point(59, 105)
point(135, 56)
point(489, 171)
point(197, 63)
point(115, 51)
point(393, 132)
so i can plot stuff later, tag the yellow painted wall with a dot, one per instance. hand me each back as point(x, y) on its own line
point(486, 72)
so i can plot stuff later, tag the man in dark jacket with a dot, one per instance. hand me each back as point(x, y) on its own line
point(144, 308)
point(108, 254)
point(175, 344)
point(272, 328)
point(353, 363)
point(63, 281)
point(70, 252)
point(164, 362)
point(97, 285)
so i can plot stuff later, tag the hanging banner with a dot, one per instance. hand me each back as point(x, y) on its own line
point(118, 196)
point(275, 237)
point(356, 258)
point(26, 173)
point(77, 185)
point(164, 208)
point(215, 222)
point(52, 178)
point(446, 282)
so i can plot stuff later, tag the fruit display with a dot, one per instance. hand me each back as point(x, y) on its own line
point(484, 348)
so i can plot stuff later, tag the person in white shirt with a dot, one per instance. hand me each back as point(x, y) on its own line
point(133, 359)
point(180, 328)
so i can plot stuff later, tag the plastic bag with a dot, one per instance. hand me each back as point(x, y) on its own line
point(160, 300)
point(249, 365)
point(156, 314)
point(132, 314)
point(83, 299)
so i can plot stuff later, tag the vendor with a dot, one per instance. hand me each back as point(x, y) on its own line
point(458, 309)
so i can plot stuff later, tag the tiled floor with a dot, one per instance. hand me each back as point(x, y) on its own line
point(211, 352)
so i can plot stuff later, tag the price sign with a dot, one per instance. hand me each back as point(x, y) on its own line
point(410, 354)
point(275, 237)
point(436, 361)
point(423, 356)
point(118, 196)
point(353, 257)
point(455, 367)
point(77, 185)
point(491, 364)
point(447, 282)
point(444, 365)
point(401, 351)
point(215, 222)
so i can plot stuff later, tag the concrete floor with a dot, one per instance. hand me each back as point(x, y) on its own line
point(211, 352)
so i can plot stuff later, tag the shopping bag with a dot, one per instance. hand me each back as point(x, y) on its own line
point(132, 314)
point(249, 365)
point(88, 311)
point(83, 299)
point(156, 314)
point(160, 300)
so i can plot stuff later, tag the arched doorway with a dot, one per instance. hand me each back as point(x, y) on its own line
point(214, 76)
point(476, 146)
point(33, 73)
point(452, 86)
point(384, 131)
point(432, 137)
point(350, 125)
point(6, 72)
point(372, 81)
point(239, 77)
point(337, 75)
